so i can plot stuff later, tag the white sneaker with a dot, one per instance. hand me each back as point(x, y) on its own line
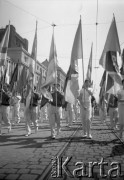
point(85, 135)
point(89, 136)
point(9, 129)
point(53, 136)
point(18, 122)
point(36, 130)
point(28, 134)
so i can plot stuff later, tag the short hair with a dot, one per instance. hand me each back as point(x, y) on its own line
point(86, 80)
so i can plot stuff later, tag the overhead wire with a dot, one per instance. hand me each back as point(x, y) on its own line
point(38, 29)
point(87, 24)
point(68, 57)
point(27, 12)
point(96, 42)
point(96, 28)
point(64, 25)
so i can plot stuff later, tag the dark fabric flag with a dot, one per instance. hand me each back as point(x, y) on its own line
point(43, 101)
point(68, 76)
point(72, 86)
point(108, 58)
point(122, 66)
point(4, 46)
point(14, 78)
point(22, 81)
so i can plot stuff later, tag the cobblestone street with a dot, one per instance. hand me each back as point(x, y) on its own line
point(29, 158)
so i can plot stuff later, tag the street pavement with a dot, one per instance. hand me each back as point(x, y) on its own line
point(101, 157)
point(26, 158)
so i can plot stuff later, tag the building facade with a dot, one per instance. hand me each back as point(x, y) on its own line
point(15, 40)
point(18, 53)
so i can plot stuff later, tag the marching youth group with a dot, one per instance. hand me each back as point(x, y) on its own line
point(113, 105)
point(55, 101)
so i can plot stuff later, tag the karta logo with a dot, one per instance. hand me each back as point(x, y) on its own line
point(61, 167)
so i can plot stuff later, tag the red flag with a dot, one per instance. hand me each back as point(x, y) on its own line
point(89, 70)
point(52, 66)
point(4, 47)
point(72, 87)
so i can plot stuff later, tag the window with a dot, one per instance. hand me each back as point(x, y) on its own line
point(44, 72)
point(26, 59)
point(18, 44)
point(37, 67)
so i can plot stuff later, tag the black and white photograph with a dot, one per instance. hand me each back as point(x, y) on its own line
point(61, 90)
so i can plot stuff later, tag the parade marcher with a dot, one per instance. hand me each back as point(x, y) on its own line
point(68, 113)
point(5, 96)
point(113, 110)
point(103, 110)
point(46, 98)
point(16, 108)
point(31, 112)
point(86, 109)
point(44, 109)
point(93, 101)
point(120, 95)
point(74, 111)
point(64, 106)
point(54, 111)
point(77, 110)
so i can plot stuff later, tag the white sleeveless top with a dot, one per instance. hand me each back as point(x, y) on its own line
point(86, 97)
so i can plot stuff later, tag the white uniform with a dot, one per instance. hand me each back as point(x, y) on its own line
point(121, 110)
point(16, 109)
point(86, 114)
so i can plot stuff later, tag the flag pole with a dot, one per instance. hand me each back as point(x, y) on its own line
point(53, 25)
point(35, 54)
point(82, 52)
point(82, 58)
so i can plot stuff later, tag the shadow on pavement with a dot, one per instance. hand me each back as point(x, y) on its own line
point(99, 129)
point(37, 142)
point(117, 150)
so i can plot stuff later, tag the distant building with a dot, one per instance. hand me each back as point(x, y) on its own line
point(18, 53)
point(15, 40)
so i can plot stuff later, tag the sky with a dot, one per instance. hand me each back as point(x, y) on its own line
point(65, 14)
